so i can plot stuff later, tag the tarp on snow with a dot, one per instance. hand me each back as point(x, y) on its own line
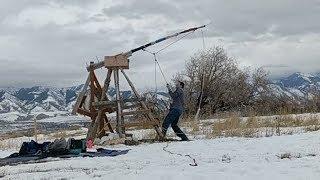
point(33, 152)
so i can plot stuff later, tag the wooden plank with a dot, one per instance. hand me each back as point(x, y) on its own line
point(99, 121)
point(114, 103)
point(136, 112)
point(81, 96)
point(95, 66)
point(130, 106)
point(108, 123)
point(96, 82)
point(149, 115)
point(117, 61)
point(144, 124)
point(86, 113)
point(92, 92)
point(119, 127)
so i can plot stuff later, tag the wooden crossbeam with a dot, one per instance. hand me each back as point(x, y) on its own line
point(143, 124)
point(86, 112)
point(136, 112)
point(143, 104)
point(114, 103)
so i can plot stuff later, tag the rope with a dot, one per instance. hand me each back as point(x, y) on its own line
point(194, 163)
point(157, 62)
point(155, 81)
point(174, 42)
point(155, 56)
point(165, 79)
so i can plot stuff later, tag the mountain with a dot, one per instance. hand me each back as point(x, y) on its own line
point(298, 86)
point(36, 99)
point(43, 99)
point(40, 99)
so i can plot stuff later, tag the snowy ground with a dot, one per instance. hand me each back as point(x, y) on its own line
point(221, 158)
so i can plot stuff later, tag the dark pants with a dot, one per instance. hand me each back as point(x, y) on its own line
point(172, 119)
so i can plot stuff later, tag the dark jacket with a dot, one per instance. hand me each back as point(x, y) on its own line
point(177, 99)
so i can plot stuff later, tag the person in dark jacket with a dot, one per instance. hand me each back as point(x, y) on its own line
point(176, 109)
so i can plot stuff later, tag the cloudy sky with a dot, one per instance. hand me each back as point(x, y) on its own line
point(49, 42)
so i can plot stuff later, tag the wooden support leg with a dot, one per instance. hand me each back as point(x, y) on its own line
point(120, 122)
point(144, 106)
point(99, 121)
point(108, 123)
point(92, 94)
point(80, 98)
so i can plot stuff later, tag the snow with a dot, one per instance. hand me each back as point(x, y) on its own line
point(38, 109)
point(296, 92)
point(222, 158)
point(63, 119)
point(10, 117)
point(5, 153)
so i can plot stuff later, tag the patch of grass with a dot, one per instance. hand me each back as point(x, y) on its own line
point(59, 135)
point(234, 126)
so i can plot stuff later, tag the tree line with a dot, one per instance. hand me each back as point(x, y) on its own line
point(215, 82)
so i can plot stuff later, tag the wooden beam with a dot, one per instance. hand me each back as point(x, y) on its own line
point(98, 124)
point(149, 115)
point(120, 128)
point(143, 124)
point(81, 96)
point(114, 103)
point(86, 113)
point(96, 82)
point(108, 123)
point(142, 112)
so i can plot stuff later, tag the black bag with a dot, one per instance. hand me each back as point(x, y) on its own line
point(58, 147)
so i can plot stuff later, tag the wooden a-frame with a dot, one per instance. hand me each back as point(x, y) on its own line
point(93, 102)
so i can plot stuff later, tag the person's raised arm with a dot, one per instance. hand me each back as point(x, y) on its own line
point(174, 94)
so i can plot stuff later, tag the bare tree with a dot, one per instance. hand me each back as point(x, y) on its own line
point(225, 85)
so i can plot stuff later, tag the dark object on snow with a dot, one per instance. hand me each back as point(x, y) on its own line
point(108, 152)
point(32, 148)
point(58, 147)
point(76, 146)
point(130, 142)
point(33, 152)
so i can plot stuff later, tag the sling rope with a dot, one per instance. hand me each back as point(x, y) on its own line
point(157, 52)
point(178, 154)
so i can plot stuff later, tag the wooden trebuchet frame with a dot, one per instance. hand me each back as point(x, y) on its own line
point(93, 102)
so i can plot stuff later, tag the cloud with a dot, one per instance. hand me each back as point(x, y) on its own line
point(50, 42)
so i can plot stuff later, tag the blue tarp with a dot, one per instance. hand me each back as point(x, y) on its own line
point(32, 152)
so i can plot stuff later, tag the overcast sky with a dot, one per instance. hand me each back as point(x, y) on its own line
point(49, 42)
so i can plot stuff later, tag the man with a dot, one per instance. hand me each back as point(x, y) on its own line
point(176, 109)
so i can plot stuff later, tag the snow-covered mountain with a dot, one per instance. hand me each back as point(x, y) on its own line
point(37, 99)
point(298, 86)
point(50, 99)
point(42, 99)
